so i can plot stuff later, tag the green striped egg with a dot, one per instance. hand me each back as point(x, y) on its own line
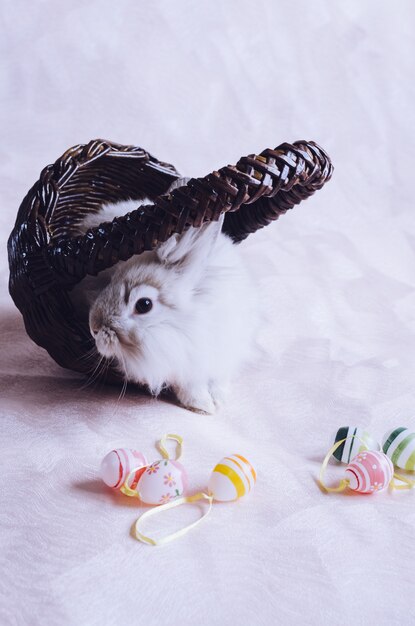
point(357, 440)
point(399, 446)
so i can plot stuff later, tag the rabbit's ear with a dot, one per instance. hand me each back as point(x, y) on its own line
point(192, 247)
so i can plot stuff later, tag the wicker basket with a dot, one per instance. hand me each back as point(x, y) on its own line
point(48, 256)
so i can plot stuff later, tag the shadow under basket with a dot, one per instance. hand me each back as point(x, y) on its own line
point(48, 255)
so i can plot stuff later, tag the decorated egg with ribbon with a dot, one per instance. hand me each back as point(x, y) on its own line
point(118, 465)
point(399, 446)
point(162, 481)
point(355, 439)
point(232, 478)
point(369, 471)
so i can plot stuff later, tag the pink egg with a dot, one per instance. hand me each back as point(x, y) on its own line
point(117, 465)
point(162, 481)
point(369, 471)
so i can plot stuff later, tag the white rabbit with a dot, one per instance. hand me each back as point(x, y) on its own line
point(182, 316)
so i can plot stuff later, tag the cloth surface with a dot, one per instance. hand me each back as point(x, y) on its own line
point(199, 85)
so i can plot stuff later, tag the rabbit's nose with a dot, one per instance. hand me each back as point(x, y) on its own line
point(107, 332)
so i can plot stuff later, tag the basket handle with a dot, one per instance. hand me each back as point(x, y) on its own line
point(252, 193)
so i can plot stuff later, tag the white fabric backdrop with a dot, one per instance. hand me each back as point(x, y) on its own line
point(199, 84)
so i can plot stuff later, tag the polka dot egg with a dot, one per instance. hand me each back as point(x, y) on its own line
point(162, 481)
point(370, 471)
point(117, 465)
point(232, 478)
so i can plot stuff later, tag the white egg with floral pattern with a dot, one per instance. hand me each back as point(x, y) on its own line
point(162, 481)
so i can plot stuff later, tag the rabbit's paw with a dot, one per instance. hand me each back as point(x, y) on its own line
point(196, 398)
point(219, 392)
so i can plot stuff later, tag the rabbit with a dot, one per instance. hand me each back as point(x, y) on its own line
point(182, 316)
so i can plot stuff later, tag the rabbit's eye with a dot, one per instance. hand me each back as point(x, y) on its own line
point(143, 305)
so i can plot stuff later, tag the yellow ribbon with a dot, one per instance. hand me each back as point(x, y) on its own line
point(170, 505)
point(163, 451)
point(125, 489)
point(344, 482)
point(407, 482)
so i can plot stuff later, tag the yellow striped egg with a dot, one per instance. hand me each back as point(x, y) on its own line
point(232, 478)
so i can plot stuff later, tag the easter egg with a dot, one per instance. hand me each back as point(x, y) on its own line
point(162, 481)
point(399, 445)
point(117, 465)
point(232, 478)
point(357, 440)
point(369, 471)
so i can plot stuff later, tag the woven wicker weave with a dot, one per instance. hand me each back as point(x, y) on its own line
point(48, 256)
